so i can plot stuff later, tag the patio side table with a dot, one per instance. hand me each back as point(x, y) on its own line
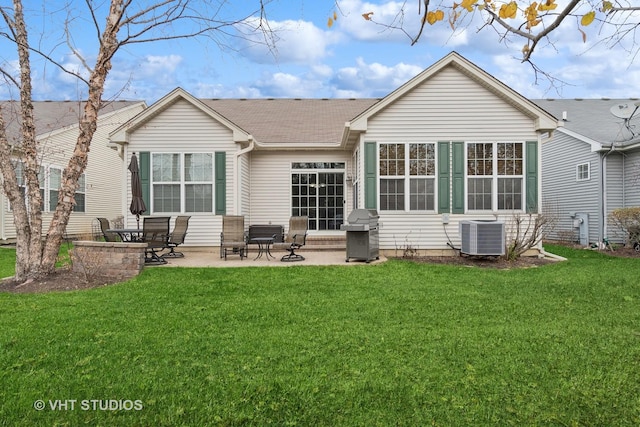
point(264, 247)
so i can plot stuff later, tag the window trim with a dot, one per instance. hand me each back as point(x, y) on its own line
point(578, 175)
point(495, 177)
point(408, 177)
point(46, 188)
point(182, 182)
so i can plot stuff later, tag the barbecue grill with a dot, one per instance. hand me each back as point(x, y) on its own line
point(362, 235)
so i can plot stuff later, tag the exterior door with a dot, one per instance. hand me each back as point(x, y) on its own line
point(320, 196)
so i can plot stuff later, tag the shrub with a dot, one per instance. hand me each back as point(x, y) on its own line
point(626, 221)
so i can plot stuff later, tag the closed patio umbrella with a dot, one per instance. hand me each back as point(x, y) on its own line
point(137, 202)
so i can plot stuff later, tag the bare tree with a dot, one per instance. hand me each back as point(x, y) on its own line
point(122, 23)
point(532, 22)
point(526, 231)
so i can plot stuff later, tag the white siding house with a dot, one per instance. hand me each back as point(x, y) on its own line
point(453, 143)
point(100, 192)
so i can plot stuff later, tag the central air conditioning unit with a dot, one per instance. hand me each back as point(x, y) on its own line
point(482, 237)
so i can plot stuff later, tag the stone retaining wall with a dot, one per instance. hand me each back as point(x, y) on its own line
point(113, 259)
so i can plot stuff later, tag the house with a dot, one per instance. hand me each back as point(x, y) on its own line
point(452, 143)
point(101, 186)
point(591, 166)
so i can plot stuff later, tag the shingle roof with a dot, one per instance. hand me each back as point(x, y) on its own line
point(51, 115)
point(291, 120)
point(592, 118)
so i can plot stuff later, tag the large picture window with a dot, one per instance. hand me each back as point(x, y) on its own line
point(182, 182)
point(407, 177)
point(495, 176)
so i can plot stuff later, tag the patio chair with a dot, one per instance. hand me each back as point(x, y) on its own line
point(155, 233)
point(232, 238)
point(295, 239)
point(109, 236)
point(176, 238)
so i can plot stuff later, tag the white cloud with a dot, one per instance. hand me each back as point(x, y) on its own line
point(297, 42)
point(289, 86)
point(372, 80)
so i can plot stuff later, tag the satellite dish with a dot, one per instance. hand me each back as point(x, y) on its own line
point(623, 111)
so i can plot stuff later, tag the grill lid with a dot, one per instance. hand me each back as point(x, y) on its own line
point(363, 216)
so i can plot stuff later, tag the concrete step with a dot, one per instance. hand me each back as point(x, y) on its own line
point(325, 243)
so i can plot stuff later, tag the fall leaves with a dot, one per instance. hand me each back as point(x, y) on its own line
point(532, 12)
point(532, 19)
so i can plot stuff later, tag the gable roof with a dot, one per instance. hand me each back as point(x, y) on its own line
point(120, 135)
point(290, 121)
point(543, 120)
point(591, 121)
point(52, 116)
point(322, 123)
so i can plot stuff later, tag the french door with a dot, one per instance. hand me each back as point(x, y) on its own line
point(320, 196)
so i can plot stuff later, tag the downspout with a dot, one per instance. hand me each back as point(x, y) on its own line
point(236, 182)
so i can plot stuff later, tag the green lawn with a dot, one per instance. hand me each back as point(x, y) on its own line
point(391, 344)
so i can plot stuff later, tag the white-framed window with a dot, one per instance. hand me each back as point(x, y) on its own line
point(50, 179)
point(583, 171)
point(407, 176)
point(182, 182)
point(495, 176)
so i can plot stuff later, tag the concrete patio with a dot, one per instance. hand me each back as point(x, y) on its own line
point(210, 257)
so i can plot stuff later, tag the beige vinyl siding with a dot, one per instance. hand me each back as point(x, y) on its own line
point(183, 128)
point(104, 182)
point(448, 107)
point(271, 182)
point(244, 163)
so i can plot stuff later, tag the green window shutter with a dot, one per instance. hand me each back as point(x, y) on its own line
point(458, 177)
point(221, 182)
point(370, 175)
point(531, 173)
point(444, 178)
point(145, 178)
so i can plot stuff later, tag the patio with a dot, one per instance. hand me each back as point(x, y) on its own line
point(210, 257)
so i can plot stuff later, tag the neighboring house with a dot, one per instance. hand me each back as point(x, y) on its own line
point(101, 186)
point(453, 143)
point(591, 166)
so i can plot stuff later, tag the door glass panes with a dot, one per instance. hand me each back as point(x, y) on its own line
point(320, 196)
point(330, 201)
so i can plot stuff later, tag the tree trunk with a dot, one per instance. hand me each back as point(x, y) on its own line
point(88, 124)
point(27, 218)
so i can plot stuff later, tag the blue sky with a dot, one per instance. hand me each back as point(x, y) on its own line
point(353, 58)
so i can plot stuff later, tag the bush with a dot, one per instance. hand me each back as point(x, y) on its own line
point(626, 221)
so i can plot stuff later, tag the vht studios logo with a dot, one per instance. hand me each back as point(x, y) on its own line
point(88, 405)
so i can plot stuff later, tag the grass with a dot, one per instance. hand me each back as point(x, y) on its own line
point(391, 344)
